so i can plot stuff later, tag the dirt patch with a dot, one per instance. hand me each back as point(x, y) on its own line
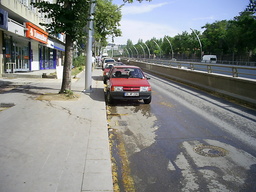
point(58, 97)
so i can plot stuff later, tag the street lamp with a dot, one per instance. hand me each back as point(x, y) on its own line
point(127, 52)
point(170, 44)
point(199, 42)
point(158, 47)
point(131, 51)
point(136, 51)
point(143, 50)
point(88, 69)
point(148, 50)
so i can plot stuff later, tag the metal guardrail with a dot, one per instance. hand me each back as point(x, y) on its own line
point(229, 70)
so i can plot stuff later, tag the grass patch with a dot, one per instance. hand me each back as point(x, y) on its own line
point(77, 70)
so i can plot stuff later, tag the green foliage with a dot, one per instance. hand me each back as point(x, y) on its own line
point(233, 37)
point(67, 16)
point(107, 18)
point(69, 93)
point(79, 61)
point(214, 37)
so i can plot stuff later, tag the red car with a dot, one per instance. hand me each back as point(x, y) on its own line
point(126, 82)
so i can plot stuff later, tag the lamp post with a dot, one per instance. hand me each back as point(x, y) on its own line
point(88, 69)
point(131, 52)
point(158, 47)
point(136, 51)
point(199, 42)
point(148, 50)
point(127, 52)
point(143, 50)
point(170, 44)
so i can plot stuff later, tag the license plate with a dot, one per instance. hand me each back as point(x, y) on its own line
point(129, 94)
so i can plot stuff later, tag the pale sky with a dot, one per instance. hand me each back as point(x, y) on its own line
point(158, 18)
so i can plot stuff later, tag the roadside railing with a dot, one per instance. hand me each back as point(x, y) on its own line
point(229, 70)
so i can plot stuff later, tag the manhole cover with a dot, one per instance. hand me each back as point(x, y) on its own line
point(210, 151)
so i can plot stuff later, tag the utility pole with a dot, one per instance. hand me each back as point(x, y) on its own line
point(88, 68)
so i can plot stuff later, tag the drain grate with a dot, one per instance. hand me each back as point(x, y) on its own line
point(210, 151)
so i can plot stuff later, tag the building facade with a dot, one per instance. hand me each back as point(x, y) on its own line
point(24, 44)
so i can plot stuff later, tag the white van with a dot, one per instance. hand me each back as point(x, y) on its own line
point(209, 59)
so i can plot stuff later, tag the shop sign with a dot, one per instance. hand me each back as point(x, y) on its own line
point(55, 45)
point(15, 27)
point(36, 33)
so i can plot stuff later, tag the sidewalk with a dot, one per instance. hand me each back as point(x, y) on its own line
point(29, 74)
point(54, 146)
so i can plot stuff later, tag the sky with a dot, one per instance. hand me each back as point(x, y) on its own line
point(158, 18)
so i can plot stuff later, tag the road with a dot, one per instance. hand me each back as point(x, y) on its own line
point(185, 140)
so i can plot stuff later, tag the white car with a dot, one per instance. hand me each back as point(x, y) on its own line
point(105, 61)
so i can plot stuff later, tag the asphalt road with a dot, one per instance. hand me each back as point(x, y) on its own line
point(185, 140)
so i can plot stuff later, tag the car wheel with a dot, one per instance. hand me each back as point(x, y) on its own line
point(147, 101)
point(109, 98)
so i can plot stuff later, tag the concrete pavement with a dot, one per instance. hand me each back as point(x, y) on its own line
point(54, 145)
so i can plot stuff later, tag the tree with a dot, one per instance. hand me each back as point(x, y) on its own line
point(107, 18)
point(69, 17)
point(241, 35)
point(215, 37)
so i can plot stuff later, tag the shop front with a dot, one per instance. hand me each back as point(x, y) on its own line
point(29, 52)
point(16, 54)
point(15, 48)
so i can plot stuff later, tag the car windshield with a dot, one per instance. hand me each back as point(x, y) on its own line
point(127, 73)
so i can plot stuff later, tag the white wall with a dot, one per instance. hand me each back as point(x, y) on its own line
point(35, 61)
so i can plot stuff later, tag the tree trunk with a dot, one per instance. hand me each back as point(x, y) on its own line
point(68, 60)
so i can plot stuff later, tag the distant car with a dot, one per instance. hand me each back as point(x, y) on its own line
point(127, 83)
point(108, 66)
point(209, 59)
point(105, 61)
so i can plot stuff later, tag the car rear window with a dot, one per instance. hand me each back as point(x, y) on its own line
point(127, 73)
point(109, 60)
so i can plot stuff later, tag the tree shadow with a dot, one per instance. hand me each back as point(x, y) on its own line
point(249, 184)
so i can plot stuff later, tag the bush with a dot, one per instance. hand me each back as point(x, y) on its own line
point(79, 61)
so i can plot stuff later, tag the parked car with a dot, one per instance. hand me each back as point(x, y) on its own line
point(105, 61)
point(108, 66)
point(127, 83)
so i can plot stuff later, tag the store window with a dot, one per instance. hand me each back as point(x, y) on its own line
point(47, 57)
